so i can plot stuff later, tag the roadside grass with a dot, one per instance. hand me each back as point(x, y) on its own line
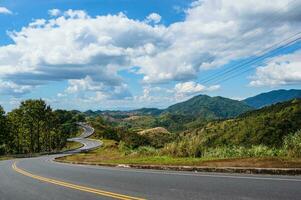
point(109, 153)
point(70, 145)
point(6, 158)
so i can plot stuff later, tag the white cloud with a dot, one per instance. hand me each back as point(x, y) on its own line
point(8, 87)
point(215, 32)
point(281, 70)
point(54, 12)
point(99, 89)
point(85, 84)
point(72, 45)
point(191, 88)
point(153, 17)
point(4, 10)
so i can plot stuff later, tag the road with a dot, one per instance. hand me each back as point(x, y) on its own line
point(43, 179)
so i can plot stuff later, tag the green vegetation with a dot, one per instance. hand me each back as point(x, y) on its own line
point(267, 126)
point(34, 127)
point(176, 118)
point(70, 145)
point(268, 132)
point(270, 136)
point(209, 107)
point(111, 153)
point(157, 137)
point(292, 144)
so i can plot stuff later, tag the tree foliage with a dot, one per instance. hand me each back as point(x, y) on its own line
point(34, 127)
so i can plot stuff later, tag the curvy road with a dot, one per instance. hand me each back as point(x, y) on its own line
point(43, 179)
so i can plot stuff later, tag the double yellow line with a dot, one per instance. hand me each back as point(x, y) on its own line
point(76, 187)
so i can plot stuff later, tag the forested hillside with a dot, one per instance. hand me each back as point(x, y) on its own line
point(209, 107)
point(270, 132)
point(266, 126)
point(35, 127)
point(179, 117)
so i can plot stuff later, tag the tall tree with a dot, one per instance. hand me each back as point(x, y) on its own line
point(3, 130)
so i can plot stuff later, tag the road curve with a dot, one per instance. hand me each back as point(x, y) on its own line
point(42, 178)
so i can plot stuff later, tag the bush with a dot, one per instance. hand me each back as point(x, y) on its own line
point(240, 151)
point(133, 140)
point(187, 147)
point(2, 149)
point(292, 145)
point(147, 151)
point(124, 149)
point(157, 137)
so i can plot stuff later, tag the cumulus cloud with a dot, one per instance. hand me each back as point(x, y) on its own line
point(216, 32)
point(102, 91)
point(54, 12)
point(191, 88)
point(72, 45)
point(281, 70)
point(153, 17)
point(4, 10)
point(8, 87)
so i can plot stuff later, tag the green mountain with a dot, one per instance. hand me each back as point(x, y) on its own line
point(272, 97)
point(265, 126)
point(209, 107)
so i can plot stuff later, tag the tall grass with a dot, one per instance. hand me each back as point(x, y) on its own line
point(292, 145)
point(239, 151)
point(187, 147)
point(193, 146)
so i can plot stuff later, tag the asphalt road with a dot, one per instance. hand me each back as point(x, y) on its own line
point(43, 179)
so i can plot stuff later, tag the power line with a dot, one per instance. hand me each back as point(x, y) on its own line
point(210, 77)
point(264, 54)
point(249, 69)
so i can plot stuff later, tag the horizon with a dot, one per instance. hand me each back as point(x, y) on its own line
point(163, 108)
point(118, 57)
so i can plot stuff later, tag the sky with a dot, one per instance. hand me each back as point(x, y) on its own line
point(127, 54)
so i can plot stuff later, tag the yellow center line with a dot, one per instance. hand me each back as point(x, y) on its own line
point(76, 187)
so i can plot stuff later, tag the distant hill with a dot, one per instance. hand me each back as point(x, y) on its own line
point(209, 107)
point(272, 97)
point(124, 114)
point(265, 126)
point(146, 111)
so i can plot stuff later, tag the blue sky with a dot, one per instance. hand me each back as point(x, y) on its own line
point(125, 54)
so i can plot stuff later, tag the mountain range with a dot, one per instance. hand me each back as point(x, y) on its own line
point(206, 107)
point(272, 97)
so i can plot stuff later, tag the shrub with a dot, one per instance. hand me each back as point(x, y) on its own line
point(2, 149)
point(147, 151)
point(134, 140)
point(187, 147)
point(157, 137)
point(122, 147)
point(240, 151)
point(292, 144)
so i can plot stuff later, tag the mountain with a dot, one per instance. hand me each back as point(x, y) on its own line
point(266, 126)
point(272, 97)
point(146, 111)
point(124, 114)
point(209, 107)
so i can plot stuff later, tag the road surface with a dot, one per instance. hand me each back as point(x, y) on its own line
point(43, 179)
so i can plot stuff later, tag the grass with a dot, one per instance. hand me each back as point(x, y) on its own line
point(6, 158)
point(70, 145)
point(109, 153)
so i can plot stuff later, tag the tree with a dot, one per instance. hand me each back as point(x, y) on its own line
point(3, 130)
point(34, 127)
